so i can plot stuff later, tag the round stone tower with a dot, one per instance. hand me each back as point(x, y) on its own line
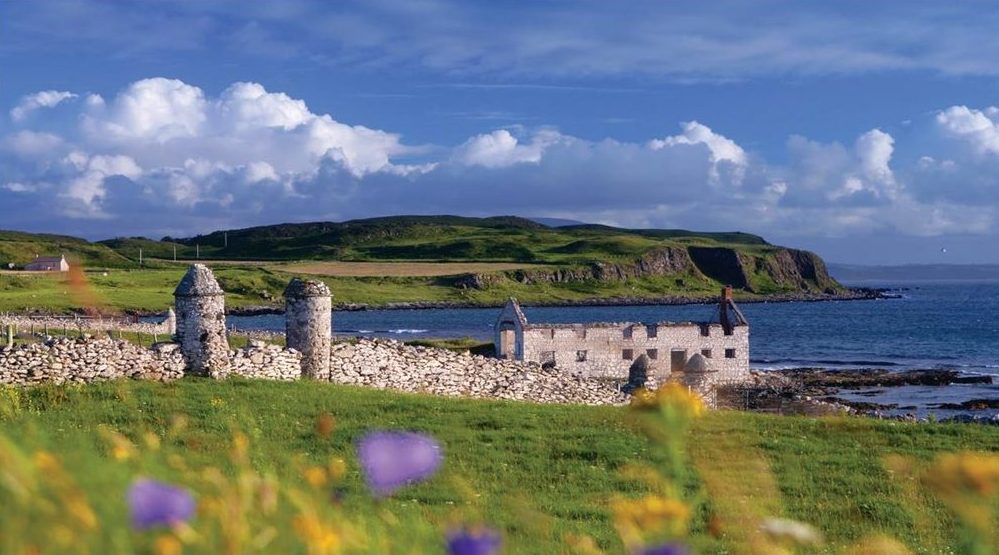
point(698, 375)
point(170, 322)
point(201, 332)
point(309, 325)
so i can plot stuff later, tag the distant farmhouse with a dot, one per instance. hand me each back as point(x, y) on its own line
point(48, 264)
point(718, 349)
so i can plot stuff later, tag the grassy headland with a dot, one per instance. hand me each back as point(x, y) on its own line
point(432, 259)
point(540, 474)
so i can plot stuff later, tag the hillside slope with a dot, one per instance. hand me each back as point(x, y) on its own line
point(19, 248)
point(572, 254)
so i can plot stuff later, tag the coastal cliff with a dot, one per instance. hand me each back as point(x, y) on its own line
point(765, 271)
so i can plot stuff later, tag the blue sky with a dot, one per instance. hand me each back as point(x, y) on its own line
point(863, 130)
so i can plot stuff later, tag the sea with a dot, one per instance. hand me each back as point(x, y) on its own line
point(930, 325)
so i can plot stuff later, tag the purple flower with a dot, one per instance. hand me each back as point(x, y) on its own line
point(153, 503)
point(481, 542)
point(664, 549)
point(391, 460)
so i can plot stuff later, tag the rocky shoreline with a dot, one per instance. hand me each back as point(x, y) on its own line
point(852, 294)
point(814, 391)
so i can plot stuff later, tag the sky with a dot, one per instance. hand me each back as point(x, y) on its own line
point(866, 131)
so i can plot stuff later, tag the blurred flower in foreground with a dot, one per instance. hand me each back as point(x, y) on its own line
point(670, 396)
point(967, 482)
point(153, 503)
point(483, 541)
point(652, 514)
point(879, 545)
point(664, 549)
point(792, 531)
point(391, 460)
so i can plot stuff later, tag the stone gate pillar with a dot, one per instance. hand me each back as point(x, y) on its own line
point(201, 331)
point(170, 322)
point(309, 325)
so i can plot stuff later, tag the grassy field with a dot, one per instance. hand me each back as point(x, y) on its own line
point(545, 476)
point(396, 269)
point(151, 290)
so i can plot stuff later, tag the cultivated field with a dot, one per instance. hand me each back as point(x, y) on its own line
point(396, 269)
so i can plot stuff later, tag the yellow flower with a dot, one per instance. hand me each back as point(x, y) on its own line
point(122, 448)
point(967, 482)
point(879, 545)
point(319, 537)
point(337, 468)
point(671, 396)
point(80, 509)
point(120, 453)
point(46, 462)
point(167, 545)
point(315, 476)
point(652, 514)
point(956, 473)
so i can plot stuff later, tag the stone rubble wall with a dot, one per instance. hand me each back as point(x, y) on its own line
point(85, 359)
point(38, 324)
point(388, 364)
point(267, 361)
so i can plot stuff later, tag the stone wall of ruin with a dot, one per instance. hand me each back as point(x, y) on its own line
point(605, 345)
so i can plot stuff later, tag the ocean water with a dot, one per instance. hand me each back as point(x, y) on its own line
point(934, 325)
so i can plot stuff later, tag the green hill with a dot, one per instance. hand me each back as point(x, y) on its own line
point(581, 254)
point(536, 263)
point(443, 238)
point(19, 248)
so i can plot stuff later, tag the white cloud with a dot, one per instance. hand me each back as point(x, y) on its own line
point(500, 148)
point(694, 133)
point(157, 110)
point(978, 128)
point(725, 155)
point(162, 157)
point(41, 99)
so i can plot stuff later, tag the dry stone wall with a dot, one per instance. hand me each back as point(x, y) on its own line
point(388, 364)
point(53, 324)
point(85, 359)
point(266, 361)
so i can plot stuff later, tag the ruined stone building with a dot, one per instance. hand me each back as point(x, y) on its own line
point(718, 351)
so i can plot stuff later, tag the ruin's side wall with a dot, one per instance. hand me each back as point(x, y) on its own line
point(604, 348)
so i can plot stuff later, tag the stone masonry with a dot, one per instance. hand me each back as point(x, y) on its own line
point(388, 364)
point(309, 325)
point(86, 359)
point(266, 361)
point(609, 350)
point(201, 331)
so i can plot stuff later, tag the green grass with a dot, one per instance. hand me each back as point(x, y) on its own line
point(151, 290)
point(535, 472)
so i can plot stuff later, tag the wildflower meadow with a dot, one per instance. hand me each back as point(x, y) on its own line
point(252, 467)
